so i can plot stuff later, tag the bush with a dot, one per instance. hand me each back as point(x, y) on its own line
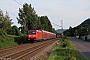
point(65, 43)
point(21, 39)
point(14, 38)
point(65, 37)
point(2, 32)
point(86, 38)
point(70, 57)
point(14, 31)
point(7, 41)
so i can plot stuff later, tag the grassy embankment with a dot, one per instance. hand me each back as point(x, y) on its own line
point(66, 50)
point(7, 40)
point(11, 40)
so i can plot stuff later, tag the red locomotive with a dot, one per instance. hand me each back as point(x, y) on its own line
point(40, 35)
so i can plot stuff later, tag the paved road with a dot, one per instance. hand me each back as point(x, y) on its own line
point(83, 47)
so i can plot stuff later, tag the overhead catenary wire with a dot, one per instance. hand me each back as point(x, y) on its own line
point(18, 2)
point(3, 10)
point(56, 24)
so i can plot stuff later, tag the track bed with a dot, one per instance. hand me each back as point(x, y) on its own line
point(29, 51)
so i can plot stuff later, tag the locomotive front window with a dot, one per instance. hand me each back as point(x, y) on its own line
point(32, 32)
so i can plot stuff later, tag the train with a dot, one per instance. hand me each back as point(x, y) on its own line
point(37, 35)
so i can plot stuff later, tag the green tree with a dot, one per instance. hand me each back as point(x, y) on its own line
point(1, 19)
point(15, 31)
point(39, 23)
point(5, 22)
point(27, 18)
point(53, 30)
point(70, 32)
point(45, 23)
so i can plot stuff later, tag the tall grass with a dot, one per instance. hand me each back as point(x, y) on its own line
point(66, 51)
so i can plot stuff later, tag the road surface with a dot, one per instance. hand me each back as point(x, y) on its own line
point(83, 46)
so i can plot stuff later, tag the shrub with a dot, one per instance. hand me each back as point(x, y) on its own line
point(7, 41)
point(2, 32)
point(86, 38)
point(15, 31)
point(21, 39)
point(65, 43)
point(65, 37)
point(70, 57)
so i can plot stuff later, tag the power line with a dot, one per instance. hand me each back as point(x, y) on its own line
point(11, 13)
point(60, 26)
point(18, 2)
point(56, 24)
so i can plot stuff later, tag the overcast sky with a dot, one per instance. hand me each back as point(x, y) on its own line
point(72, 12)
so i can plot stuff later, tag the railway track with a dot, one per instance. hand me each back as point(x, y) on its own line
point(6, 51)
point(10, 50)
point(21, 52)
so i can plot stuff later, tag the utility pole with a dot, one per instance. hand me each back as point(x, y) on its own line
point(62, 27)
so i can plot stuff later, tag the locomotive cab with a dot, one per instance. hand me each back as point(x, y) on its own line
point(31, 34)
point(35, 34)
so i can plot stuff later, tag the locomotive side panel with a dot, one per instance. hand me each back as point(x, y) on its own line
point(39, 35)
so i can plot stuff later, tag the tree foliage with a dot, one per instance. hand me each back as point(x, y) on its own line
point(45, 23)
point(80, 30)
point(15, 31)
point(29, 20)
point(5, 22)
point(87, 21)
